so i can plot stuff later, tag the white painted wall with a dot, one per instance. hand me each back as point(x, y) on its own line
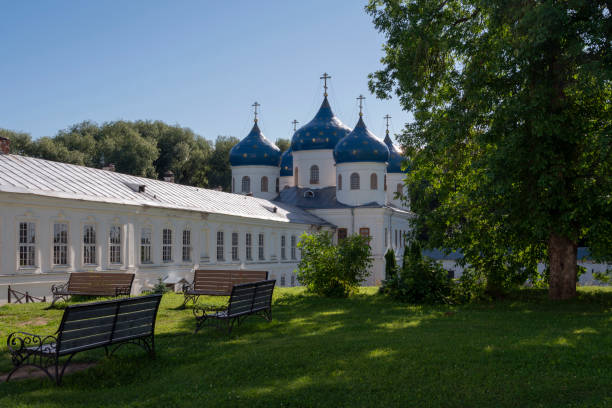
point(393, 180)
point(256, 173)
point(286, 182)
point(303, 160)
point(365, 194)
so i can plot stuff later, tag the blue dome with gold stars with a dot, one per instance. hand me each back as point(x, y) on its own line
point(255, 150)
point(361, 145)
point(286, 164)
point(324, 131)
point(395, 157)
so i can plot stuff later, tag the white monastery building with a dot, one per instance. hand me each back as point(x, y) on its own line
point(58, 218)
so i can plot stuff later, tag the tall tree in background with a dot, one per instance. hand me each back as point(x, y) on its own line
point(512, 103)
point(220, 175)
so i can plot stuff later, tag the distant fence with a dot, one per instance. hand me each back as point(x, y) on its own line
point(21, 297)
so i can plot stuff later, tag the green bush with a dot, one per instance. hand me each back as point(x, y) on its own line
point(333, 270)
point(160, 287)
point(390, 264)
point(422, 280)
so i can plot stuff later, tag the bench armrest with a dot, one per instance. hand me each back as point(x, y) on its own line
point(200, 310)
point(21, 345)
point(59, 288)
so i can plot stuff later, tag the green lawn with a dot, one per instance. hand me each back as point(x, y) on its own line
point(362, 351)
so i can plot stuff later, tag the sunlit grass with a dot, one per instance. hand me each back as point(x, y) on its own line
point(362, 351)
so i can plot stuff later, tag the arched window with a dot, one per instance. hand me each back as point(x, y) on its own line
point(339, 181)
point(295, 177)
point(399, 188)
point(264, 184)
point(314, 174)
point(277, 185)
point(373, 181)
point(354, 181)
point(246, 184)
point(385, 182)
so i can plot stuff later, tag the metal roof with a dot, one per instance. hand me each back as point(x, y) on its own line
point(27, 175)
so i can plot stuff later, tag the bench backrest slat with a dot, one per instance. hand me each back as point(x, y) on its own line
point(250, 297)
point(92, 325)
point(99, 283)
point(221, 282)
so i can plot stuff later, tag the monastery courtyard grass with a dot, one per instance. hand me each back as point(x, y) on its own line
point(362, 351)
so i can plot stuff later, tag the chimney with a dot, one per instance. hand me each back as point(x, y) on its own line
point(5, 145)
point(169, 176)
point(110, 167)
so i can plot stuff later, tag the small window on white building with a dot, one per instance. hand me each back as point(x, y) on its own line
point(89, 245)
point(373, 181)
point(314, 174)
point(292, 280)
point(167, 245)
point(282, 282)
point(248, 242)
point(293, 247)
point(233, 184)
point(354, 181)
point(246, 184)
point(220, 246)
point(385, 181)
point(264, 184)
point(234, 246)
point(260, 247)
point(27, 244)
point(386, 238)
point(399, 189)
point(283, 247)
point(114, 244)
point(60, 243)
point(339, 181)
point(145, 245)
point(186, 245)
point(295, 177)
point(277, 184)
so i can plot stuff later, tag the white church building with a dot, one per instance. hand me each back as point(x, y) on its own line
point(57, 218)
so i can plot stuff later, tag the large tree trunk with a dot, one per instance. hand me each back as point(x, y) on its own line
point(562, 253)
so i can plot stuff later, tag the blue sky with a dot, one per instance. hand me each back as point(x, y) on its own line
point(200, 64)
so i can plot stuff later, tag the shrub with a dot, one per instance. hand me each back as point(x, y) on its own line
point(390, 264)
point(333, 270)
point(422, 280)
point(160, 287)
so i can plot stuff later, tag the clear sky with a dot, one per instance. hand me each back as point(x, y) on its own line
point(199, 64)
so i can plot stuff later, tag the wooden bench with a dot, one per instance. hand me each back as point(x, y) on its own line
point(85, 327)
point(245, 299)
point(94, 284)
point(218, 282)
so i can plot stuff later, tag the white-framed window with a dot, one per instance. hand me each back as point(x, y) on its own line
point(114, 244)
point(339, 181)
point(283, 247)
point(386, 238)
point(264, 184)
point(260, 247)
point(293, 247)
point(235, 246)
point(167, 245)
point(186, 245)
point(220, 246)
point(282, 282)
point(246, 184)
point(295, 177)
point(385, 182)
point(399, 189)
point(314, 174)
point(292, 280)
point(146, 235)
point(355, 181)
point(248, 243)
point(89, 245)
point(60, 244)
point(27, 244)
point(277, 184)
point(373, 181)
point(233, 184)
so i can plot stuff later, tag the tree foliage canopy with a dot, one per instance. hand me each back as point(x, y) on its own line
point(512, 137)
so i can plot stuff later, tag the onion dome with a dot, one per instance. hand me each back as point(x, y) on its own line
point(361, 145)
point(255, 150)
point(286, 164)
point(395, 157)
point(324, 131)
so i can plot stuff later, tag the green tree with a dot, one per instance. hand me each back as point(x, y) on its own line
point(512, 130)
point(283, 144)
point(333, 270)
point(220, 173)
point(21, 142)
point(131, 153)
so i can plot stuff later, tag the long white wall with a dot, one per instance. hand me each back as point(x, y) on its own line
point(44, 212)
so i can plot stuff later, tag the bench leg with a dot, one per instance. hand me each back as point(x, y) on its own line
point(58, 379)
point(199, 323)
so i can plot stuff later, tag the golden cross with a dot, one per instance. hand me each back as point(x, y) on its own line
point(361, 98)
point(325, 77)
point(256, 105)
point(295, 122)
point(387, 117)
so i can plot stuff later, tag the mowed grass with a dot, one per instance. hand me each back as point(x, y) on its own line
point(362, 351)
